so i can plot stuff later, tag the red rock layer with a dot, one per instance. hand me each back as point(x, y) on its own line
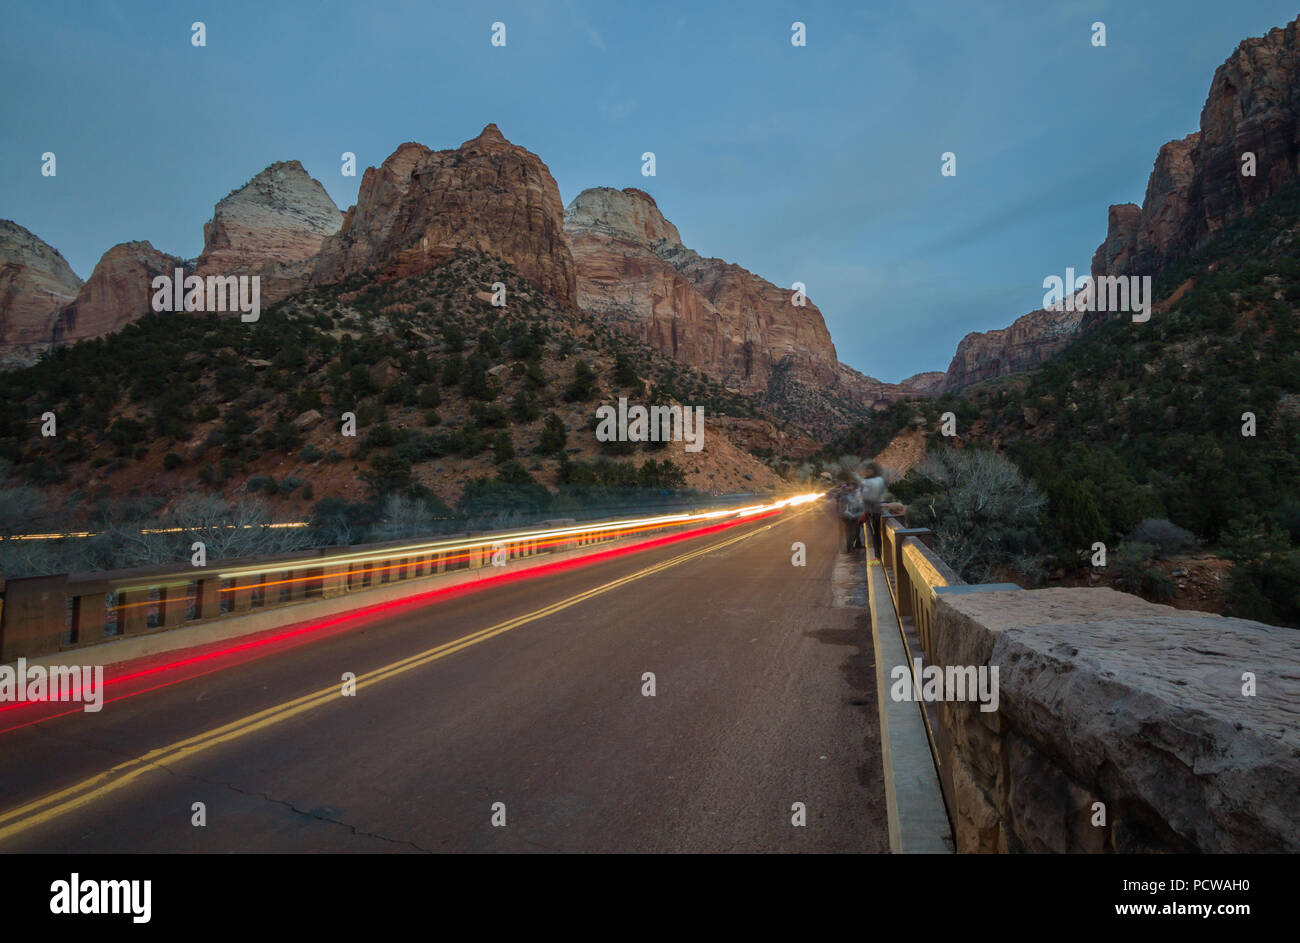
point(118, 292)
point(740, 329)
point(420, 206)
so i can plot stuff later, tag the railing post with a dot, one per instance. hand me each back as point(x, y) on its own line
point(887, 555)
point(902, 578)
point(132, 614)
point(208, 603)
point(87, 618)
point(297, 583)
point(35, 616)
point(335, 582)
point(241, 591)
point(173, 603)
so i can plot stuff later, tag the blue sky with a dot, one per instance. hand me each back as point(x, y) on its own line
point(817, 164)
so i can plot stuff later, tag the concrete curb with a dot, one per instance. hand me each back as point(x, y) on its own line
point(918, 820)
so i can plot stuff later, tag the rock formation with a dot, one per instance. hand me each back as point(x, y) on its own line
point(635, 274)
point(271, 227)
point(35, 282)
point(1115, 254)
point(1029, 341)
point(1196, 188)
point(420, 206)
point(117, 292)
point(932, 381)
point(1197, 185)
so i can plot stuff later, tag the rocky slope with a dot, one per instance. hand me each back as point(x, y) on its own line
point(117, 292)
point(1196, 188)
point(35, 282)
point(415, 210)
point(270, 227)
point(634, 273)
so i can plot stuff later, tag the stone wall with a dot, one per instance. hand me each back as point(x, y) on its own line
point(1107, 698)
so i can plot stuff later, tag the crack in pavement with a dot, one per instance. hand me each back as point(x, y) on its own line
point(293, 808)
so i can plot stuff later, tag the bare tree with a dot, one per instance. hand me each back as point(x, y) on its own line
point(405, 516)
point(228, 531)
point(982, 511)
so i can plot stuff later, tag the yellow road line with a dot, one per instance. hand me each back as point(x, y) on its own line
point(59, 803)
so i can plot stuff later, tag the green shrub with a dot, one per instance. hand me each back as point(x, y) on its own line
point(553, 437)
point(583, 387)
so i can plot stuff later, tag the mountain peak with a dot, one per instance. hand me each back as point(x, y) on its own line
point(279, 217)
point(423, 206)
point(490, 138)
point(625, 214)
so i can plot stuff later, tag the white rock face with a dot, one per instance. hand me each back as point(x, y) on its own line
point(627, 214)
point(268, 227)
point(35, 282)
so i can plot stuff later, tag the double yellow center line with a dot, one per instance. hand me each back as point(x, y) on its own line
point(90, 790)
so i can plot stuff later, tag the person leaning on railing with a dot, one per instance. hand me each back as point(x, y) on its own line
point(849, 504)
point(871, 493)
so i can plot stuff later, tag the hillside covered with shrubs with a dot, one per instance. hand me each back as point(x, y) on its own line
point(468, 413)
point(1138, 435)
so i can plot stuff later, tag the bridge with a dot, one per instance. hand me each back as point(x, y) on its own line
point(711, 680)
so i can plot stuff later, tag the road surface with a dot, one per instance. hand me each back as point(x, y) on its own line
point(525, 705)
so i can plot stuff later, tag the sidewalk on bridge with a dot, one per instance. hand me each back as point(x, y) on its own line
point(918, 820)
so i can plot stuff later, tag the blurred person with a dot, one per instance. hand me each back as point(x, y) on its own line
point(871, 494)
point(849, 503)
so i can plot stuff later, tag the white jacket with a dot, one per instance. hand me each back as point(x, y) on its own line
point(872, 491)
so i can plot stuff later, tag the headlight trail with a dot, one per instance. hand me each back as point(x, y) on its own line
point(220, 655)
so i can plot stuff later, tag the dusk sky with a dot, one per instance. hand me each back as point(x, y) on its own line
point(818, 164)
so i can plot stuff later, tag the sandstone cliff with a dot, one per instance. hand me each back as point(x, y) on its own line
point(634, 273)
point(932, 381)
point(117, 292)
point(35, 282)
point(1029, 341)
point(1196, 187)
point(270, 227)
point(413, 213)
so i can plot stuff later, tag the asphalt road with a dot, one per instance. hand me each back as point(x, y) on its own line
point(764, 698)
